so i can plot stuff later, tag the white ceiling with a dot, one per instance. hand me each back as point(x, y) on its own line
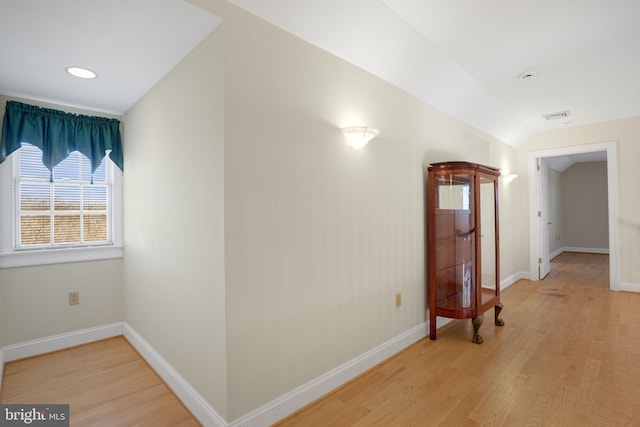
point(463, 57)
point(131, 44)
point(562, 163)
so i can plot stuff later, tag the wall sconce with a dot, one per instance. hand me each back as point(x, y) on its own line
point(358, 136)
point(507, 178)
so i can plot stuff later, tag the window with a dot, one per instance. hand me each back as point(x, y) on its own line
point(68, 207)
point(65, 215)
point(61, 191)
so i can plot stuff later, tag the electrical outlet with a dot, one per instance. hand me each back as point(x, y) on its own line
point(74, 298)
point(398, 299)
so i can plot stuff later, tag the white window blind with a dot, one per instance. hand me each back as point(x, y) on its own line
point(65, 208)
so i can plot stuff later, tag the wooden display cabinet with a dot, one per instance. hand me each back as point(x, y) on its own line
point(463, 249)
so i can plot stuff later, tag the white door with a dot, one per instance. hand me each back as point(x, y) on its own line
point(543, 216)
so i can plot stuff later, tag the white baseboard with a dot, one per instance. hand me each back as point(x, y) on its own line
point(57, 342)
point(196, 404)
point(267, 414)
point(60, 342)
point(263, 416)
point(630, 287)
point(191, 399)
point(287, 404)
point(505, 283)
point(555, 253)
point(586, 250)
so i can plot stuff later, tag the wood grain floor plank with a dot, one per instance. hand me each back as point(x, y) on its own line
point(569, 355)
point(106, 383)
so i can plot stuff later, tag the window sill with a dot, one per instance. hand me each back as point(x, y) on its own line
point(57, 256)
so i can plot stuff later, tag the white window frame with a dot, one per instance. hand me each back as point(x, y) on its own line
point(11, 257)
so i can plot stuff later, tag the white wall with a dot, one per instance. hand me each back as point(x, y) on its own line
point(585, 206)
point(509, 198)
point(320, 237)
point(36, 305)
point(239, 189)
point(173, 265)
point(2, 322)
point(554, 203)
point(626, 133)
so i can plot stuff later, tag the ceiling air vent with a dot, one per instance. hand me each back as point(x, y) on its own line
point(558, 115)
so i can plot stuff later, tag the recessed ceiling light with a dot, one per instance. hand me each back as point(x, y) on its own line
point(83, 73)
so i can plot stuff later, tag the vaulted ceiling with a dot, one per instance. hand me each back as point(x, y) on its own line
point(464, 57)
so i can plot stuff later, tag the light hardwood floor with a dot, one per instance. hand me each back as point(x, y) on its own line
point(106, 383)
point(569, 355)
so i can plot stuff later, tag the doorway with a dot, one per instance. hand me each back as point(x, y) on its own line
point(538, 221)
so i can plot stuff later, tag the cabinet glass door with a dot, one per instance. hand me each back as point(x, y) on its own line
point(454, 241)
point(487, 238)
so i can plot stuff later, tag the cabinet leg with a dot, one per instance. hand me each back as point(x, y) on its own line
point(477, 322)
point(498, 309)
point(432, 326)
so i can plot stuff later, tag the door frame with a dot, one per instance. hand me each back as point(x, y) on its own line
point(535, 229)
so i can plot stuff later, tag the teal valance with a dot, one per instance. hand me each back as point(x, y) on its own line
point(58, 133)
